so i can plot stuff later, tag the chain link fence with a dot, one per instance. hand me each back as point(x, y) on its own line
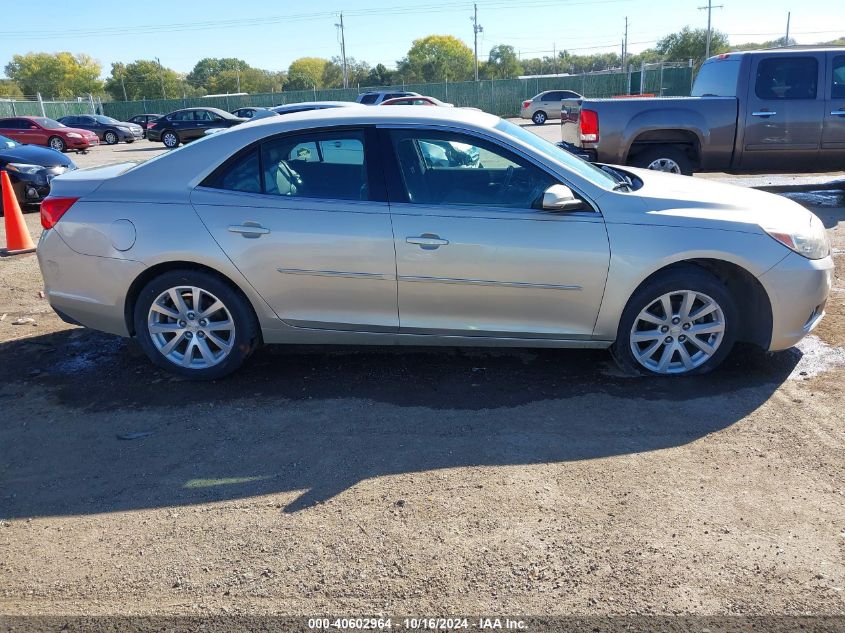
point(502, 97)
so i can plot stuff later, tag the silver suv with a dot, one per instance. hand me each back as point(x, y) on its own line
point(377, 96)
point(546, 105)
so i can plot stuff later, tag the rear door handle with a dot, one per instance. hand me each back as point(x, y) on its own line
point(249, 229)
point(763, 113)
point(427, 241)
point(839, 112)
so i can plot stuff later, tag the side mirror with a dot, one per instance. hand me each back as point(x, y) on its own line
point(561, 198)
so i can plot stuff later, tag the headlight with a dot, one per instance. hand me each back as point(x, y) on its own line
point(122, 128)
point(74, 135)
point(810, 242)
point(24, 168)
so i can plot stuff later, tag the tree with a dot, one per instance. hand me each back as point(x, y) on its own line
point(306, 73)
point(60, 74)
point(691, 44)
point(437, 58)
point(502, 63)
point(9, 89)
point(379, 76)
point(143, 79)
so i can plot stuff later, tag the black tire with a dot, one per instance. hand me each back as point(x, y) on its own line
point(57, 143)
point(686, 277)
point(247, 335)
point(539, 117)
point(658, 153)
point(111, 137)
point(170, 139)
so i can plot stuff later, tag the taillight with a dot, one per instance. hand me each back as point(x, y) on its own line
point(589, 126)
point(52, 210)
point(151, 125)
point(525, 104)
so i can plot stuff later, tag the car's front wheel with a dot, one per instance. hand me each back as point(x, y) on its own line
point(110, 138)
point(57, 143)
point(683, 321)
point(170, 139)
point(194, 324)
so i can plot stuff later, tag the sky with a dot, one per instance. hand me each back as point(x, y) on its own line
point(270, 35)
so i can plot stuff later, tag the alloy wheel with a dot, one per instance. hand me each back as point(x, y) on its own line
point(57, 144)
point(677, 332)
point(665, 164)
point(170, 139)
point(111, 138)
point(191, 327)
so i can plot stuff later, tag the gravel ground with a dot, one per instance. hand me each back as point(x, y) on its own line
point(415, 481)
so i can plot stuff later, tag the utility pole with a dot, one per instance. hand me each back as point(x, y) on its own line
point(625, 44)
point(786, 39)
point(237, 75)
point(161, 79)
point(709, 8)
point(123, 85)
point(476, 29)
point(343, 51)
point(554, 57)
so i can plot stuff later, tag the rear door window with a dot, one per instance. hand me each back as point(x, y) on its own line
point(787, 78)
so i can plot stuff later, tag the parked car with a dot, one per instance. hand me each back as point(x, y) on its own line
point(304, 106)
point(546, 105)
point(31, 169)
point(778, 110)
point(375, 97)
point(188, 124)
point(421, 100)
point(39, 130)
point(247, 113)
point(106, 128)
point(142, 120)
point(285, 231)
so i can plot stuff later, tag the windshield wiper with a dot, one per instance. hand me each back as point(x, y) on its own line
point(622, 186)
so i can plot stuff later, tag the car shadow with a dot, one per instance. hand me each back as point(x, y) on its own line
point(109, 432)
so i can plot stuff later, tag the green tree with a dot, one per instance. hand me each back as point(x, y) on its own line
point(144, 79)
point(379, 76)
point(437, 58)
point(307, 72)
point(9, 89)
point(56, 75)
point(502, 63)
point(691, 44)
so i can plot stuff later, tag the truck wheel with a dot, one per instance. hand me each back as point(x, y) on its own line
point(539, 117)
point(669, 158)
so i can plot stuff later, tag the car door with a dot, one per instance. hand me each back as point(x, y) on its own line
point(11, 128)
point(32, 133)
point(833, 131)
point(310, 229)
point(475, 256)
point(784, 112)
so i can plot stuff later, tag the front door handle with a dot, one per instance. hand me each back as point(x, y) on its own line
point(427, 241)
point(839, 112)
point(763, 113)
point(249, 229)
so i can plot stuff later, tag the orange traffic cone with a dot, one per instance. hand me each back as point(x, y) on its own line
point(17, 235)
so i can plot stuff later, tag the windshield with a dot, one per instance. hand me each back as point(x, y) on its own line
point(50, 124)
point(584, 169)
point(7, 142)
point(717, 78)
point(106, 119)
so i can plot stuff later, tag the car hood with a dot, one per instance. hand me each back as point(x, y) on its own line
point(34, 155)
point(688, 201)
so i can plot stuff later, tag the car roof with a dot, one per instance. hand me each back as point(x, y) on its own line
point(312, 104)
point(780, 51)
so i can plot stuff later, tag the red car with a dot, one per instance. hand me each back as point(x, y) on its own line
point(39, 130)
point(416, 100)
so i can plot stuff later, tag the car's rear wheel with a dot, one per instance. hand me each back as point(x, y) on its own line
point(668, 158)
point(170, 139)
point(111, 138)
point(194, 324)
point(684, 321)
point(539, 117)
point(57, 143)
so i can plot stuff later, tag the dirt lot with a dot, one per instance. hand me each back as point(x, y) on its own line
point(415, 481)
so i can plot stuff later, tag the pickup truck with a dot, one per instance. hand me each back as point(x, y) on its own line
point(775, 111)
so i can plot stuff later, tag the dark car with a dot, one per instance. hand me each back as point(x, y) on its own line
point(375, 97)
point(40, 130)
point(189, 124)
point(106, 128)
point(142, 120)
point(31, 169)
point(246, 113)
